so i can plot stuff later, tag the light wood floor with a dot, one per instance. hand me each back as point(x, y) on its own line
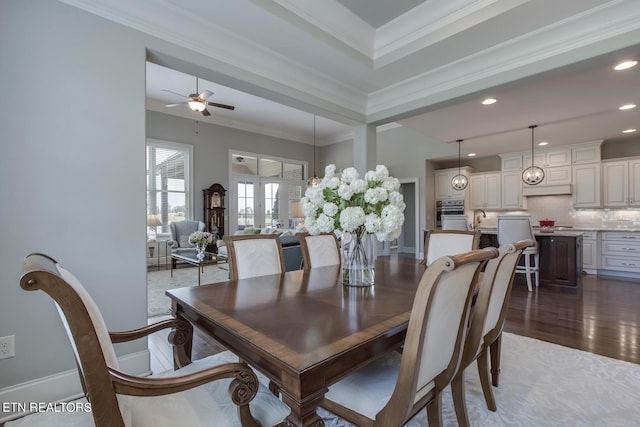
point(601, 316)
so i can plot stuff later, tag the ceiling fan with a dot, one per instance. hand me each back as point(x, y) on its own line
point(198, 102)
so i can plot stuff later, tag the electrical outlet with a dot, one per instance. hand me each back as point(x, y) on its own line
point(7, 347)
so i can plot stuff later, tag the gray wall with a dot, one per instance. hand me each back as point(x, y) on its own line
point(72, 126)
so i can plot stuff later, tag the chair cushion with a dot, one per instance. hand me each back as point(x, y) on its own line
point(201, 405)
point(257, 257)
point(207, 405)
point(368, 389)
point(323, 250)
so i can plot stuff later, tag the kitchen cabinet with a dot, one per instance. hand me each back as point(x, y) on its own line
point(511, 162)
point(590, 252)
point(442, 179)
point(549, 159)
point(620, 251)
point(586, 152)
point(485, 191)
point(621, 181)
point(586, 186)
point(511, 190)
point(560, 260)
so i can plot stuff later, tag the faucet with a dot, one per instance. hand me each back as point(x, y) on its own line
point(476, 219)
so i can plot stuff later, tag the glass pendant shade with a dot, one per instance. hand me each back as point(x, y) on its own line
point(460, 181)
point(532, 175)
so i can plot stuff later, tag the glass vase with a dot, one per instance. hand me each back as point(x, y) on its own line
point(358, 259)
point(200, 249)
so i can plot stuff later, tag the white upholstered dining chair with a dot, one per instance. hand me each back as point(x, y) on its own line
point(438, 243)
point(206, 392)
point(487, 321)
point(454, 222)
point(512, 228)
point(393, 389)
point(254, 255)
point(319, 250)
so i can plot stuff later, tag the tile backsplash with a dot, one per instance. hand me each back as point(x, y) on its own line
point(560, 209)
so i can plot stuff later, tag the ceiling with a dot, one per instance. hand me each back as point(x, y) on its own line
point(423, 65)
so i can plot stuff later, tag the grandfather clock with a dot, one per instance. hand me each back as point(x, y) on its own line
point(214, 209)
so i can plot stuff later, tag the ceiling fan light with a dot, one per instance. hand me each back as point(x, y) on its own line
point(196, 105)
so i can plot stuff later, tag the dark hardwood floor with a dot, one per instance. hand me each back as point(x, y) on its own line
point(601, 316)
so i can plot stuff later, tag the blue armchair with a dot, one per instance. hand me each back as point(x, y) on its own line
point(180, 232)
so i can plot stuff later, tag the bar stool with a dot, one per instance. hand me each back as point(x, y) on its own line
point(512, 228)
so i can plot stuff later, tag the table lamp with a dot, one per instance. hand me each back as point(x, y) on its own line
point(153, 221)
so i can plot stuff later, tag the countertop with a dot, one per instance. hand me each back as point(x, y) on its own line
point(568, 233)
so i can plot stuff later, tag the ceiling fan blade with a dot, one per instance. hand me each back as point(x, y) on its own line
point(175, 93)
point(215, 104)
point(206, 112)
point(175, 105)
point(204, 95)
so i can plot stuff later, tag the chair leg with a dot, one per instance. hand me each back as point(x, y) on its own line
point(536, 261)
point(495, 349)
point(459, 402)
point(483, 372)
point(527, 267)
point(434, 411)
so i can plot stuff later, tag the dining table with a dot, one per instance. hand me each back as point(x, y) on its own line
point(304, 330)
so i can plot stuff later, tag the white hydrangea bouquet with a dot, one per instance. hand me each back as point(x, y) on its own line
point(201, 238)
point(357, 207)
point(346, 202)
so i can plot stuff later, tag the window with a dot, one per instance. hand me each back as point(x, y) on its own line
point(267, 191)
point(169, 181)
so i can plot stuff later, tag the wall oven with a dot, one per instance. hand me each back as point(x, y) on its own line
point(448, 207)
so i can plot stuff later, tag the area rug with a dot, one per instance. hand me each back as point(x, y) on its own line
point(541, 384)
point(160, 281)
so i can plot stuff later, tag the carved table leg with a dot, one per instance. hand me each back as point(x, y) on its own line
point(303, 414)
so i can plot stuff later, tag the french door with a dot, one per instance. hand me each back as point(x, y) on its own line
point(264, 202)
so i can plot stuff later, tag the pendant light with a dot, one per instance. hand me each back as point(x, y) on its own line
point(460, 181)
point(533, 175)
point(314, 181)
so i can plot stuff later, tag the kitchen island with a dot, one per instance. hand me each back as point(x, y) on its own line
point(560, 254)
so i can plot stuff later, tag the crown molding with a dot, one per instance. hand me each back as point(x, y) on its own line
point(609, 27)
point(431, 22)
point(160, 20)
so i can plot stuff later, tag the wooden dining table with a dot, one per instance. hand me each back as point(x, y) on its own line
point(304, 330)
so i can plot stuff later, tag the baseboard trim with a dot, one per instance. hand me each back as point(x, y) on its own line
point(61, 387)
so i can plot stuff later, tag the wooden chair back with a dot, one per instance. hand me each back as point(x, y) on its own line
point(454, 222)
point(254, 255)
point(439, 243)
point(319, 250)
point(487, 319)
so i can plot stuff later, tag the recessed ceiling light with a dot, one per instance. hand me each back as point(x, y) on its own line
point(627, 107)
point(471, 155)
point(625, 65)
point(629, 130)
point(543, 143)
point(489, 101)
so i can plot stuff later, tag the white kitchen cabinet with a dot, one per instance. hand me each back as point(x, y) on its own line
point(511, 190)
point(485, 191)
point(621, 181)
point(443, 178)
point(586, 153)
point(620, 251)
point(511, 162)
point(590, 252)
point(549, 159)
point(586, 186)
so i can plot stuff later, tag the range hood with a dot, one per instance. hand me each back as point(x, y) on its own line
point(546, 190)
